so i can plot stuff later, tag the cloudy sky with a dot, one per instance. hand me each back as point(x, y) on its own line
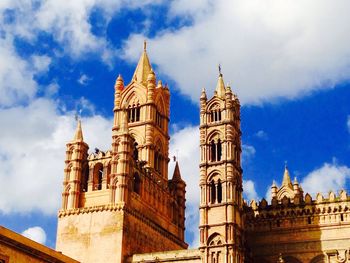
point(288, 61)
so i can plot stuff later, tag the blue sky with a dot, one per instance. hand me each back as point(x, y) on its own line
point(288, 62)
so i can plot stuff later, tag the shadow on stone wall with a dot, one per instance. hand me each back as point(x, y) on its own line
point(298, 229)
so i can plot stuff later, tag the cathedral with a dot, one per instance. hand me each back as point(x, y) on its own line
point(121, 205)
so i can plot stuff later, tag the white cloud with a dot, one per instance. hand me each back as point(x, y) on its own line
point(189, 8)
point(16, 76)
point(83, 80)
point(32, 154)
point(68, 22)
point(267, 49)
point(51, 89)
point(248, 152)
point(249, 191)
point(41, 63)
point(35, 233)
point(261, 135)
point(329, 177)
point(184, 143)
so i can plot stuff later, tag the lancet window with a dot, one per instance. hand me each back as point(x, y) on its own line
point(85, 178)
point(158, 161)
point(134, 112)
point(97, 176)
point(215, 115)
point(215, 191)
point(215, 150)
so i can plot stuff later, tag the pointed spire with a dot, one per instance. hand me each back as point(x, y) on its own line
point(220, 86)
point(177, 174)
point(286, 177)
point(78, 136)
point(143, 67)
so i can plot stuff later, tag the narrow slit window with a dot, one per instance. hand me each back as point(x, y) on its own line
point(219, 192)
point(212, 192)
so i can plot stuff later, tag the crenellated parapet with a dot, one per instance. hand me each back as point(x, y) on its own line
point(297, 226)
point(334, 209)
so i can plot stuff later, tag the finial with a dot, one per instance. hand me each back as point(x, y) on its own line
point(285, 164)
point(219, 67)
point(295, 180)
point(144, 45)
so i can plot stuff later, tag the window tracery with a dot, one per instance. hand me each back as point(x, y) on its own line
point(215, 189)
point(214, 113)
point(215, 150)
point(134, 112)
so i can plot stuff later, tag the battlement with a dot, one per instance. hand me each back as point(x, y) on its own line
point(300, 210)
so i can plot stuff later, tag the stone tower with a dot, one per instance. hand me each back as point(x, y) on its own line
point(221, 205)
point(119, 202)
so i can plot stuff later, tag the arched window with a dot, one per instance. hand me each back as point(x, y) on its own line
point(219, 189)
point(212, 192)
point(215, 115)
point(137, 112)
point(213, 151)
point(158, 160)
point(218, 148)
point(134, 113)
point(100, 176)
point(97, 176)
point(135, 153)
point(85, 178)
point(136, 183)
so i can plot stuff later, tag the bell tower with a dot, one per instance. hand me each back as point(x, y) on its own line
point(220, 183)
point(120, 202)
point(147, 104)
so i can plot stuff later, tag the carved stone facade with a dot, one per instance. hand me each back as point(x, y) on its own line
point(119, 205)
point(221, 204)
point(296, 228)
point(120, 202)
